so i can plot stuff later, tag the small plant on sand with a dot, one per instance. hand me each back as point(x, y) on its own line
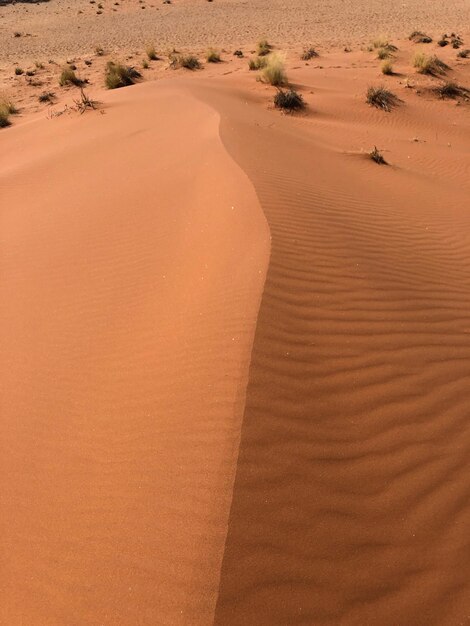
point(18, 71)
point(463, 54)
point(377, 156)
point(451, 90)
point(46, 96)
point(387, 68)
point(84, 102)
point(384, 44)
point(309, 53)
point(213, 56)
point(8, 106)
point(426, 64)
point(263, 48)
point(151, 53)
point(190, 62)
point(4, 118)
point(274, 72)
point(68, 77)
point(288, 100)
point(117, 75)
point(418, 37)
point(383, 53)
point(99, 51)
point(381, 98)
point(257, 63)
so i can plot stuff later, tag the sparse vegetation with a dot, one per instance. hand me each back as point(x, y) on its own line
point(387, 67)
point(190, 62)
point(84, 102)
point(213, 56)
point(463, 54)
point(117, 75)
point(99, 51)
point(68, 77)
point(381, 98)
point(451, 90)
point(263, 48)
point(309, 53)
point(274, 72)
point(18, 71)
point(7, 105)
point(426, 64)
point(442, 42)
point(4, 118)
point(383, 43)
point(151, 53)
point(145, 64)
point(257, 63)
point(377, 156)
point(383, 53)
point(419, 37)
point(46, 96)
point(288, 100)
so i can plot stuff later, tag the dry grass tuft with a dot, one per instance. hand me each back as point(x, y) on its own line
point(68, 77)
point(381, 98)
point(418, 37)
point(257, 63)
point(4, 118)
point(151, 53)
point(450, 90)
point(377, 157)
point(426, 64)
point(213, 56)
point(263, 48)
point(274, 71)
point(83, 103)
point(387, 68)
point(117, 75)
point(309, 53)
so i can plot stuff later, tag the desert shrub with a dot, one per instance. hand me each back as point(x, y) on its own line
point(68, 77)
point(117, 75)
point(263, 48)
point(418, 37)
point(145, 64)
point(387, 67)
point(213, 56)
point(99, 51)
point(274, 72)
point(84, 102)
point(151, 53)
point(309, 53)
point(463, 54)
point(46, 96)
point(451, 90)
point(377, 156)
point(383, 53)
point(426, 64)
point(288, 100)
point(18, 71)
point(382, 42)
point(190, 62)
point(257, 63)
point(8, 106)
point(39, 65)
point(4, 118)
point(381, 98)
point(442, 41)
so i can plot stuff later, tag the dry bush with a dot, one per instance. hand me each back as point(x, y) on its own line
point(274, 71)
point(263, 48)
point(309, 53)
point(418, 37)
point(68, 77)
point(426, 64)
point(151, 53)
point(381, 98)
point(450, 90)
point(387, 68)
point(288, 100)
point(257, 63)
point(377, 156)
point(117, 75)
point(213, 56)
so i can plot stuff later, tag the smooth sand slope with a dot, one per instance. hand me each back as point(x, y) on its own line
point(133, 257)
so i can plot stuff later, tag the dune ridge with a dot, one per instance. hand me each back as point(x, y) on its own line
point(133, 258)
point(350, 503)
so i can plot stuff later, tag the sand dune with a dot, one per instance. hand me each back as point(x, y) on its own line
point(133, 258)
point(236, 352)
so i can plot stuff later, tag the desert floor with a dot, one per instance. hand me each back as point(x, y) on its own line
point(235, 351)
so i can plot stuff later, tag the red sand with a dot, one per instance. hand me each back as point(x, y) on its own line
point(134, 254)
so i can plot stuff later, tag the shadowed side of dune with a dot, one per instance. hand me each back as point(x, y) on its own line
point(133, 256)
point(350, 503)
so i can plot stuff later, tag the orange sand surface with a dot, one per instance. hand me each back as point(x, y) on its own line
point(235, 351)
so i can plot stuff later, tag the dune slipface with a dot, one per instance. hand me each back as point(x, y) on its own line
point(351, 500)
point(133, 258)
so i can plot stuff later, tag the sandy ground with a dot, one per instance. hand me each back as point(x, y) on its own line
point(235, 353)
